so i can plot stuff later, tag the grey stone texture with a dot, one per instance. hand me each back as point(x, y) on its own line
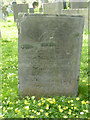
point(49, 51)
point(18, 8)
point(78, 4)
point(52, 8)
point(83, 12)
point(1, 14)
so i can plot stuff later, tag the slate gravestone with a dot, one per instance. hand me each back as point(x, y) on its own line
point(78, 4)
point(49, 50)
point(19, 8)
point(52, 8)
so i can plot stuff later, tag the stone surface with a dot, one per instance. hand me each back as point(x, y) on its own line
point(49, 50)
point(1, 14)
point(17, 8)
point(52, 8)
point(83, 12)
point(78, 4)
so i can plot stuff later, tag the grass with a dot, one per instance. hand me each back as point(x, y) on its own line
point(29, 107)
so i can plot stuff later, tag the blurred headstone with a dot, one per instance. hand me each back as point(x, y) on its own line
point(53, 8)
point(78, 4)
point(82, 11)
point(1, 14)
point(17, 8)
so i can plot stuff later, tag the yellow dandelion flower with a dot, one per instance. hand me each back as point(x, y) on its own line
point(71, 101)
point(39, 104)
point(75, 107)
point(48, 99)
point(71, 107)
point(77, 98)
point(26, 107)
point(72, 104)
point(70, 110)
point(3, 109)
point(51, 102)
point(31, 116)
point(25, 102)
point(83, 81)
point(10, 90)
point(16, 110)
point(64, 108)
point(65, 116)
point(68, 101)
point(50, 112)
point(41, 110)
point(38, 113)
point(69, 113)
point(43, 101)
point(61, 110)
point(83, 102)
point(76, 116)
point(87, 102)
point(47, 105)
point(34, 111)
point(46, 114)
point(59, 106)
point(83, 110)
point(41, 98)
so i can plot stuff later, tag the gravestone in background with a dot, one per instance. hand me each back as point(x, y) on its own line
point(19, 8)
point(78, 4)
point(44, 1)
point(1, 14)
point(52, 8)
point(49, 50)
point(83, 12)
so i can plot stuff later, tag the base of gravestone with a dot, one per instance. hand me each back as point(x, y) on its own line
point(49, 51)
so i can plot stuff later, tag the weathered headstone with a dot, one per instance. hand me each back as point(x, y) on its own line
point(83, 12)
point(19, 8)
point(52, 8)
point(78, 4)
point(49, 49)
